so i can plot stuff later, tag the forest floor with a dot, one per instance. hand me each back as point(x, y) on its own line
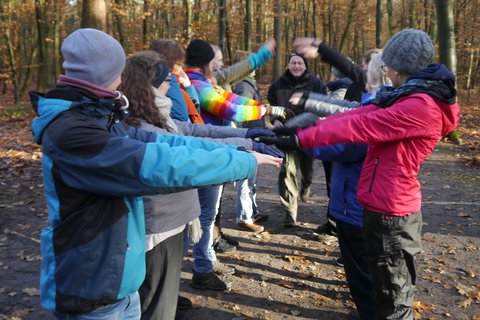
point(281, 273)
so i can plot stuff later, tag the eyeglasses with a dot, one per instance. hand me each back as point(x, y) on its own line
point(384, 68)
point(300, 64)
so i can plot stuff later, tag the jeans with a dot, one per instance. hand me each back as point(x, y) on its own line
point(247, 208)
point(203, 252)
point(125, 309)
point(353, 249)
point(392, 243)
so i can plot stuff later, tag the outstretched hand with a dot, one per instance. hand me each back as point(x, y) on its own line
point(266, 159)
point(266, 149)
point(253, 133)
point(308, 47)
point(271, 44)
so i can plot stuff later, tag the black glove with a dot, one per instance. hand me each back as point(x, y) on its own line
point(265, 149)
point(288, 131)
point(284, 142)
point(302, 121)
point(254, 133)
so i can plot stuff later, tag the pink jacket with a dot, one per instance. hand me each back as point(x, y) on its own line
point(399, 139)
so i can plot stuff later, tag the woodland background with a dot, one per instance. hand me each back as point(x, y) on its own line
point(31, 32)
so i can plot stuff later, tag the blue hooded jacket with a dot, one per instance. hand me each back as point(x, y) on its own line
point(95, 170)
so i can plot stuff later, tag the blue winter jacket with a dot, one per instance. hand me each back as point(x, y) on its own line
point(347, 163)
point(95, 169)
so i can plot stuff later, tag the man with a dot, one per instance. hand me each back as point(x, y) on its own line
point(295, 78)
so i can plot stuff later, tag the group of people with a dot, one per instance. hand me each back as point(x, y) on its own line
point(134, 176)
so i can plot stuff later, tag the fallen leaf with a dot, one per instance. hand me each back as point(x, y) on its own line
point(31, 291)
point(465, 303)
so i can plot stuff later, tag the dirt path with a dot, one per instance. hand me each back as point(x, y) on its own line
point(281, 274)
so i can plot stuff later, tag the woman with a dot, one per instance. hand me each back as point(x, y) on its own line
point(166, 215)
point(401, 126)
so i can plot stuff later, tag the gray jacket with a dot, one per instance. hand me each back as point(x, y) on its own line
point(165, 212)
point(323, 105)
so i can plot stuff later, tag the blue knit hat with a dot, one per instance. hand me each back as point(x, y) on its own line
point(409, 51)
point(92, 55)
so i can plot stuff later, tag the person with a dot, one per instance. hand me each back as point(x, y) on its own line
point(401, 126)
point(347, 160)
point(337, 88)
point(96, 168)
point(248, 214)
point(218, 107)
point(144, 81)
point(224, 77)
point(296, 78)
point(175, 58)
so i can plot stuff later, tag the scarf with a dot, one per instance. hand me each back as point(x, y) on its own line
point(435, 80)
point(164, 105)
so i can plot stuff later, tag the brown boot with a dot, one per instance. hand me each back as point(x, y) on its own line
point(252, 227)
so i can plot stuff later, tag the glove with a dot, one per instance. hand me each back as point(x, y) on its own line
point(254, 133)
point(286, 142)
point(263, 148)
point(285, 131)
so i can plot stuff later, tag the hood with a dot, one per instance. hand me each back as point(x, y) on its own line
point(450, 116)
point(47, 110)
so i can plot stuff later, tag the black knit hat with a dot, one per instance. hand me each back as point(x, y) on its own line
point(199, 53)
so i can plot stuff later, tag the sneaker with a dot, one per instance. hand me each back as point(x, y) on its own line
point(229, 239)
point(252, 227)
point(260, 218)
point(223, 246)
point(209, 281)
point(222, 269)
point(340, 262)
point(184, 303)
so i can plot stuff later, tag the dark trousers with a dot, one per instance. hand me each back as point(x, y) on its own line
point(159, 290)
point(392, 243)
point(331, 222)
point(353, 249)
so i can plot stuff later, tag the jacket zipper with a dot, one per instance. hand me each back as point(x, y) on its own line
point(374, 173)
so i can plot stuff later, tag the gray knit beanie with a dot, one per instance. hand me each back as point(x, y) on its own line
point(92, 55)
point(408, 51)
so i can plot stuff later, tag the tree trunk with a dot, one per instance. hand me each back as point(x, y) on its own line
point(188, 20)
point(145, 29)
point(7, 21)
point(248, 24)
point(119, 22)
point(94, 14)
point(446, 44)
point(378, 24)
point(353, 4)
point(389, 17)
point(277, 30)
point(42, 76)
point(222, 24)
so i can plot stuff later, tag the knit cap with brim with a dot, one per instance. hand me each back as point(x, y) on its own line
point(409, 51)
point(199, 53)
point(92, 55)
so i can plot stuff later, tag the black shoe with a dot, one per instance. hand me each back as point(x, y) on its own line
point(222, 269)
point(184, 303)
point(208, 281)
point(305, 195)
point(326, 229)
point(229, 239)
point(260, 218)
point(340, 262)
point(222, 246)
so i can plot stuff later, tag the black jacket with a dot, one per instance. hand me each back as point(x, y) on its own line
point(284, 86)
point(349, 69)
point(248, 88)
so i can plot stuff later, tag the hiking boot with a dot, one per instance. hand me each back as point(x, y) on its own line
point(222, 245)
point(222, 269)
point(326, 229)
point(229, 239)
point(184, 303)
point(252, 227)
point(260, 218)
point(208, 280)
point(290, 221)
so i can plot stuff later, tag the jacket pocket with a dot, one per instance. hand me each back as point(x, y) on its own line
point(373, 175)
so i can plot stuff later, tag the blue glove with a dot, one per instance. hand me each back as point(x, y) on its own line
point(263, 148)
point(255, 133)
